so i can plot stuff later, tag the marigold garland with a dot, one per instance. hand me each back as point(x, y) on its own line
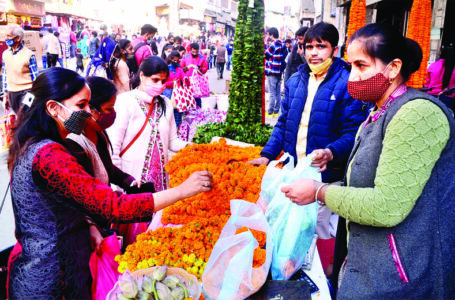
point(203, 216)
point(419, 29)
point(357, 19)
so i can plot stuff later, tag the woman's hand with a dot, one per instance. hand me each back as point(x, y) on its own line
point(321, 158)
point(198, 182)
point(136, 182)
point(301, 191)
point(259, 161)
point(96, 239)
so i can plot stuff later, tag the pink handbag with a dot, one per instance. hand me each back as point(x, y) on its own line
point(182, 96)
point(200, 84)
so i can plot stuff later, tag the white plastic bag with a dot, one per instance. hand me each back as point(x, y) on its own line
point(293, 225)
point(229, 273)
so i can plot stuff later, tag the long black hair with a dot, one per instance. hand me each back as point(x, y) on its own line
point(35, 124)
point(150, 66)
point(386, 43)
point(102, 91)
point(448, 54)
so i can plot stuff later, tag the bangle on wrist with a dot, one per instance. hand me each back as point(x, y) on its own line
point(317, 192)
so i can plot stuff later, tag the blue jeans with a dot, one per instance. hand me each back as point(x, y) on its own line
point(211, 61)
point(44, 58)
point(275, 93)
point(229, 62)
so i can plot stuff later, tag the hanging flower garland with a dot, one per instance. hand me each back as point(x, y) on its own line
point(357, 16)
point(419, 29)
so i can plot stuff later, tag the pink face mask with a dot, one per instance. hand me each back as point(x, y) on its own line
point(153, 89)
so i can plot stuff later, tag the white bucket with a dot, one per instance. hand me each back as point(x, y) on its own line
point(223, 102)
point(209, 102)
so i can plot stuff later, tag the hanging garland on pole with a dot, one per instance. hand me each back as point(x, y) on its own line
point(357, 17)
point(246, 91)
point(419, 30)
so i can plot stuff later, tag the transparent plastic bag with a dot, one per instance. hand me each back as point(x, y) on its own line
point(229, 273)
point(293, 225)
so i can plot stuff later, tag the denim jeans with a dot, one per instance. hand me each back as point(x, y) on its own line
point(229, 62)
point(275, 93)
point(220, 69)
point(44, 58)
point(211, 61)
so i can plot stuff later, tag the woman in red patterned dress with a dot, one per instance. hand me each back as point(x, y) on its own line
point(52, 194)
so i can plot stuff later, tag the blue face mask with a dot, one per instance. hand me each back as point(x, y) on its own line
point(10, 43)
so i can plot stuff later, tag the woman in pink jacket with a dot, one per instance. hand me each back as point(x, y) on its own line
point(441, 73)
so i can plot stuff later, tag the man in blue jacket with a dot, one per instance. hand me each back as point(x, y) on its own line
point(317, 113)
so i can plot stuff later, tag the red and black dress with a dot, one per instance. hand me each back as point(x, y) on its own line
point(51, 196)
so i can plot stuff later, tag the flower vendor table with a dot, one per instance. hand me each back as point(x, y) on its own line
point(203, 216)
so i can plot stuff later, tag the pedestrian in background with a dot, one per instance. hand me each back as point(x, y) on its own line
point(230, 51)
point(73, 44)
point(79, 62)
point(221, 54)
point(52, 44)
point(141, 44)
point(194, 62)
point(275, 56)
point(121, 72)
point(19, 69)
point(297, 56)
point(94, 44)
point(177, 75)
point(61, 54)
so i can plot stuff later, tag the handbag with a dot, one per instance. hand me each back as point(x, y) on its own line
point(6, 124)
point(182, 96)
point(200, 84)
point(139, 133)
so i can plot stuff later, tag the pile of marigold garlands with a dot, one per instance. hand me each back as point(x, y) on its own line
point(202, 216)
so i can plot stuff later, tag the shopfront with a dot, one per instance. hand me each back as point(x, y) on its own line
point(27, 14)
point(396, 13)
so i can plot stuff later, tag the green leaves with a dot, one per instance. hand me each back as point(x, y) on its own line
point(244, 119)
point(257, 134)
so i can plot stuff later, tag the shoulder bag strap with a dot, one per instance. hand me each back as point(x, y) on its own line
point(4, 197)
point(140, 131)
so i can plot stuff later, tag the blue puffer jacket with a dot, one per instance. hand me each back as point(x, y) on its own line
point(334, 120)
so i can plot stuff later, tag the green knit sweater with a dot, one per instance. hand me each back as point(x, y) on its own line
point(413, 142)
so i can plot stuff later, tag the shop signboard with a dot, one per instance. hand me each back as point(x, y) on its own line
point(28, 7)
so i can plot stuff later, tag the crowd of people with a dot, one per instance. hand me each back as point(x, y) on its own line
point(385, 152)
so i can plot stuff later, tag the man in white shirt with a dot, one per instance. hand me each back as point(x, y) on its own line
point(52, 44)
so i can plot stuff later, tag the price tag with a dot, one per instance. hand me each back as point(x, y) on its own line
point(251, 4)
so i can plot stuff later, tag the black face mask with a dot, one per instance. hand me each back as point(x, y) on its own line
point(194, 55)
point(175, 63)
